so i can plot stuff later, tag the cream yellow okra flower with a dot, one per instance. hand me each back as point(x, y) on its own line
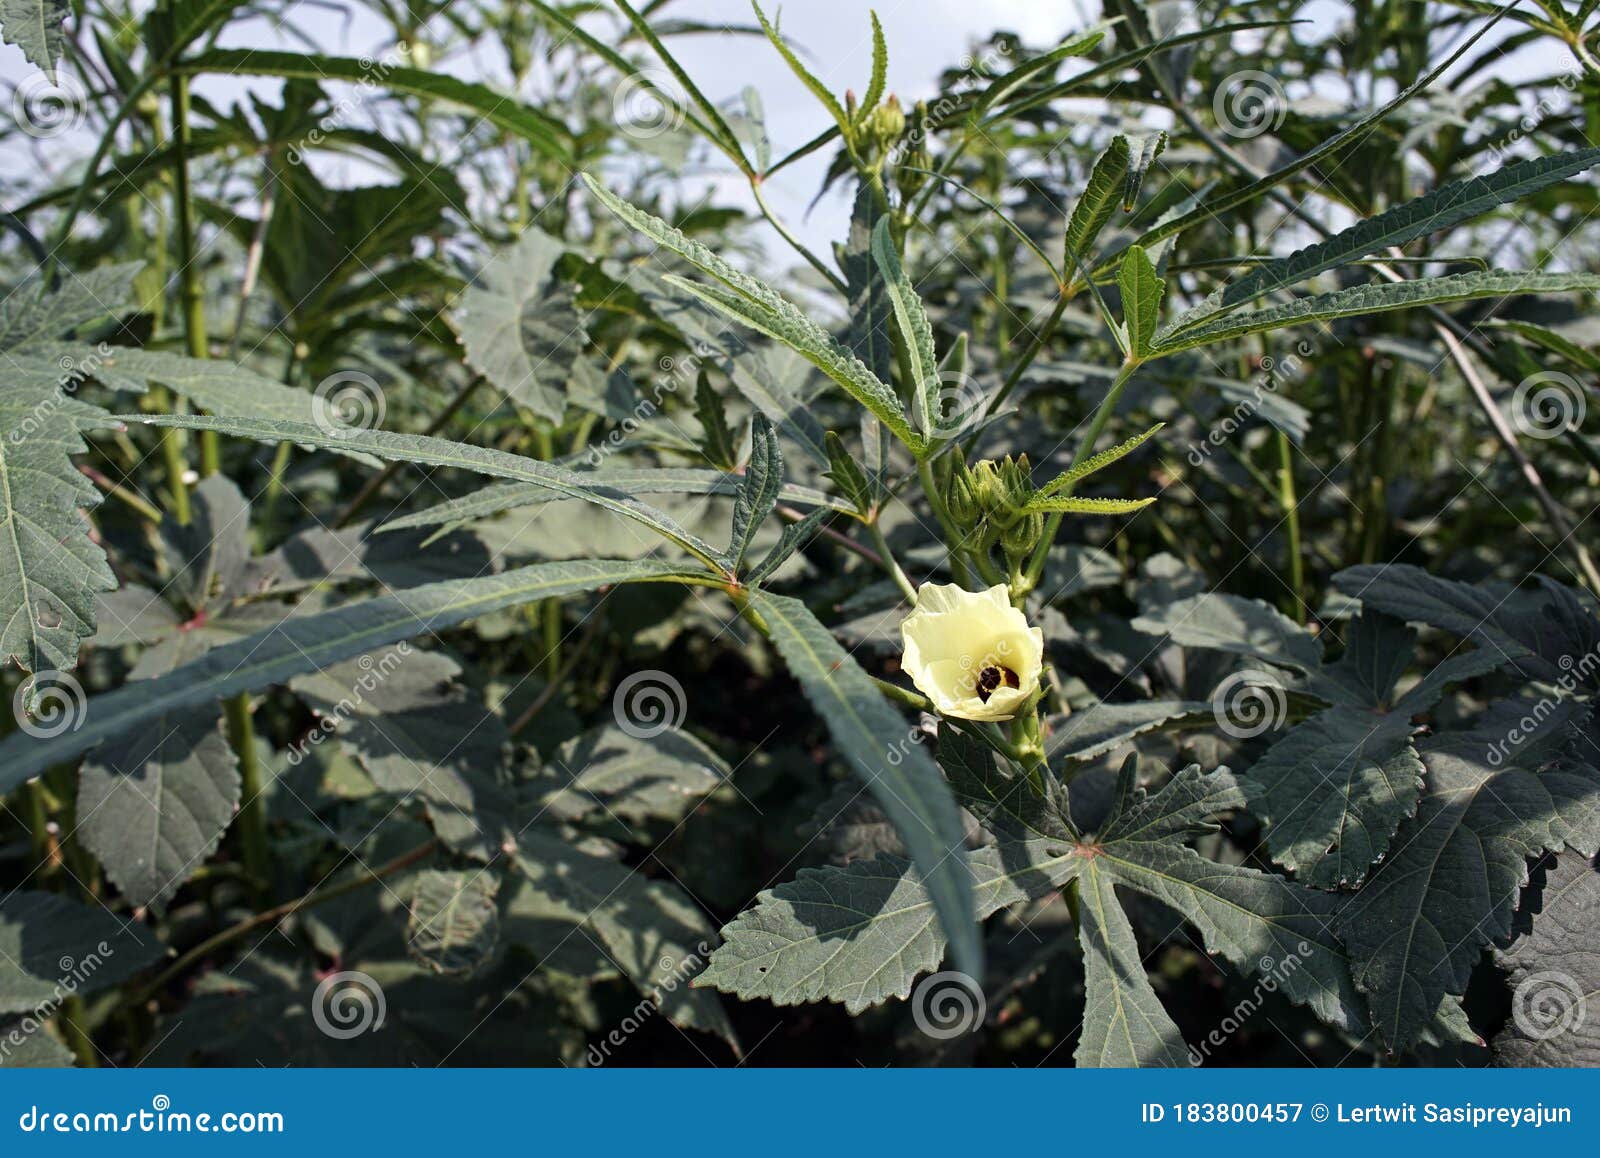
point(971, 652)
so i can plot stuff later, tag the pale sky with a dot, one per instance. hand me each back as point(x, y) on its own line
point(924, 37)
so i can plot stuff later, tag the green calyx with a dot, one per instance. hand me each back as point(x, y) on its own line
point(991, 493)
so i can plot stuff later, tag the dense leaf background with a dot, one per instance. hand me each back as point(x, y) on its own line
point(456, 534)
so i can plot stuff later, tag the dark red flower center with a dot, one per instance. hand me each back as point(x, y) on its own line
point(992, 677)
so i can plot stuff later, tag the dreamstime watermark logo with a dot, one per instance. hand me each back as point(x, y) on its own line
point(160, 1118)
point(1249, 703)
point(925, 729)
point(675, 374)
point(975, 670)
point(1575, 675)
point(73, 372)
point(1273, 975)
point(948, 1005)
point(1249, 103)
point(49, 704)
point(646, 104)
point(1274, 372)
point(371, 83)
point(375, 669)
point(346, 402)
point(975, 71)
point(1548, 1004)
point(674, 972)
point(1548, 404)
point(48, 104)
point(956, 403)
point(75, 972)
point(1554, 105)
point(648, 703)
point(347, 1005)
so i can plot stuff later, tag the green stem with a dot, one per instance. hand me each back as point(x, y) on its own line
point(890, 564)
point(1291, 522)
point(38, 822)
point(1585, 57)
point(1001, 269)
point(275, 476)
point(108, 139)
point(376, 483)
point(521, 200)
point(1097, 424)
point(1553, 511)
point(292, 367)
point(252, 818)
point(61, 785)
point(272, 916)
point(1027, 745)
point(550, 616)
point(952, 533)
point(575, 655)
point(903, 695)
point(1037, 343)
point(550, 609)
point(945, 166)
point(1375, 506)
point(170, 441)
point(192, 292)
point(128, 496)
point(1102, 414)
point(252, 259)
point(794, 242)
point(70, 1020)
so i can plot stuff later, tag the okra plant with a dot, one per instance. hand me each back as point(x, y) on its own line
point(1129, 596)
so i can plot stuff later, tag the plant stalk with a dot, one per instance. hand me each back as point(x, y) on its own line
point(794, 242)
point(377, 481)
point(1097, 424)
point(192, 292)
point(890, 564)
point(280, 912)
point(1291, 522)
point(252, 818)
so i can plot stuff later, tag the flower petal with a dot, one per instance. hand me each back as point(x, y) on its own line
point(953, 635)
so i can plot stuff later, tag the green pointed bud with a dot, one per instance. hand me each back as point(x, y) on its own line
point(894, 118)
point(886, 123)
point(960, 500)
point(1008, 476)
point(1019, 539)
point(1019, 481)
point(989, 489)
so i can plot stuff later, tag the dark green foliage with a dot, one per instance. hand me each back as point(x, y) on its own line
point(458, 536)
